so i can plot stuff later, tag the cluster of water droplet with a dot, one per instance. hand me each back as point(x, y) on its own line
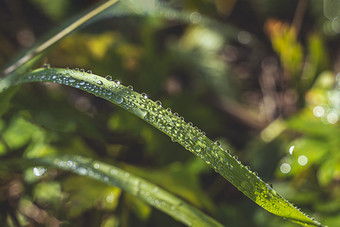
point(192, 138)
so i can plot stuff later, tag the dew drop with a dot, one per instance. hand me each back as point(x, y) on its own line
point(218, 143)
point(108, 77)
point(158, 103)
point(99, 82)
point(118, 99)
point(130, 87)
point(47, 66)
point(39, 171)
point(145, 96)
point(82, 70)
point(89, 71)
point(76, 69)
point(176, 114)
point(117, 81)
point(197, 148)
point(169, 110)
point(190, 124)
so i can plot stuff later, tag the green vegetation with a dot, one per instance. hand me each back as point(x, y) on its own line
point(70, 158)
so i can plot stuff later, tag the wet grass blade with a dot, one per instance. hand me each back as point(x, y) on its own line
point(144, 190)
point(55, 36)
point(193, 139)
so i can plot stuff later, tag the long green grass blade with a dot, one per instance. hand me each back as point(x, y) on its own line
point(55, 36)
point(134, 185)
point(177, 129)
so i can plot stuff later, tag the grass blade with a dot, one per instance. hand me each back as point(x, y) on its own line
point(177, 129)
point(148, 192)
point(57, 35)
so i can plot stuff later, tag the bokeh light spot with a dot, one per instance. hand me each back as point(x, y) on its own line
point(285, 168)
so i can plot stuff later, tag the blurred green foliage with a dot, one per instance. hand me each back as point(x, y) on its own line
point(263, 86)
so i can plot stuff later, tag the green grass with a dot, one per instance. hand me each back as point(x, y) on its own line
point(190, 137)
point(162, 118)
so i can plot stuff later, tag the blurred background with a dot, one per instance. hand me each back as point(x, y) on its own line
point(260, 76)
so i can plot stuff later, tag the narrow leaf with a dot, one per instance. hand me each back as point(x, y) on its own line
point(134, 185)
point(56, 35)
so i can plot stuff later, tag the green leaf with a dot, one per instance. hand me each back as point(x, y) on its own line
point(177, 129)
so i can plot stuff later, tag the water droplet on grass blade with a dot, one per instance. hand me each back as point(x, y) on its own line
point(82, 171)
point(108, 77)
point(39, 171)
point(218, 143)
point(117, 99)
point(158, 103)
point(144, 96)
